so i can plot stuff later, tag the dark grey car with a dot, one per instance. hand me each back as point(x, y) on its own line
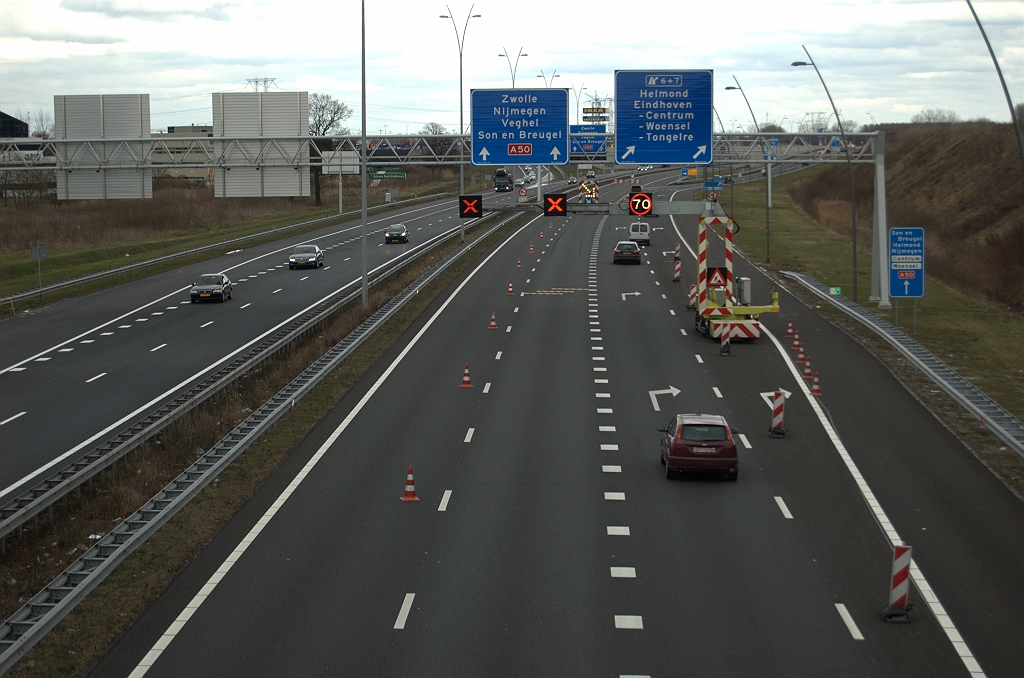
point(306, 255)
point(211, 287)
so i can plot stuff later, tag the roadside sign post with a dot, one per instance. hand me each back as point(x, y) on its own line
point(906, 268)
point(520, 127)
point(663, 117)
point(38, 253)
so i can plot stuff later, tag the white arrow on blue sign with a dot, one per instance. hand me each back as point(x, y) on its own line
point(663, 117)
point(906, 262)
point(520, 126)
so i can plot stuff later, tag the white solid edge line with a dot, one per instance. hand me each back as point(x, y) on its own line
point(403, 614)
point(10, 419)
point(785, 509)
point(848, 620)
point(443, 506)
point(925, 589)
point(179, 623)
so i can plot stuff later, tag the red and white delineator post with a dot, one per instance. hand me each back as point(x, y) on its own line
point(777, 430)
point(898, 610)
point(717, 311)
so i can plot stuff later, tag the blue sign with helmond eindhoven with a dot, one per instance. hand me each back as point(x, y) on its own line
point(906, 262)
point(663, 117)
point(520, 126)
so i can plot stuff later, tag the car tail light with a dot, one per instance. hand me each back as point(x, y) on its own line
point(618, 251)
point(679, 431)
point(728, 434)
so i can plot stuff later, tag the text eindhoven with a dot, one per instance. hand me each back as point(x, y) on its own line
point(520, 118)
point(665, 112)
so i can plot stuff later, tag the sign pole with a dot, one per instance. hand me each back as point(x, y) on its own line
point(365, 285)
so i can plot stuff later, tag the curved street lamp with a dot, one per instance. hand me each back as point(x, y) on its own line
point(849, 162)
point(752, 116)
point(511, 69)
point(460, 41)
point(549, 81)
point(577, 93)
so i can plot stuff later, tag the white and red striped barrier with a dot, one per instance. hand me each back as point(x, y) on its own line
point(777, 428)
point(677, 251)
point(726, 347)
point(898, 609)
point(692, 303)
point(677, 276)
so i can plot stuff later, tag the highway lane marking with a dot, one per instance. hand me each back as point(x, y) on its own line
point(597, 338)
point(746, 443)
point(326, 267)
point(617, 531)
point(602, 395)
point(671, 312)
point(106, 334)
point(600, 381)
point(610, 447)
point(652, 271)
point(157, 348)
point(699, 359)
point(303, 278)
point(615, 496)
point(664, 297)
point(101, 374)
point(606, 429)
point(347, 258)
point(66, 350)
point(604, 410)
point(443, 506)
point(18, 369)
point(245, 306)
point(497, 356)
point(42, 360)
point(848, 620)
point(487, 387)
point(634, 675)
point(656, 282)
point(596, 348)
point(172, 308)
point(157, 313)
point(516, 310)
point(206, 324)
point(600, 369)
point(141, 320)
point(717, 392)
point(277, 290)
point(611, 469)
point(508, 329)
point(527, 280)
point(10, 419)
point(469, 435)
point(623, 572)
point(785, 509)
point(683, 331)
point(629, 621)
point(124, 327)
point(403, 614)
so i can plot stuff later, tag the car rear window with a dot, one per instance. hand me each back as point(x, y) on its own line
point(628, 245)
point(703, 434)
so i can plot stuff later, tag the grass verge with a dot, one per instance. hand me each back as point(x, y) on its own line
point(85, 634)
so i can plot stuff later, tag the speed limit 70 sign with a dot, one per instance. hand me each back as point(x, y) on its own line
point(640, 204)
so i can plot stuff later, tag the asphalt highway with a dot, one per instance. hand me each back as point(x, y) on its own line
point(547, 540)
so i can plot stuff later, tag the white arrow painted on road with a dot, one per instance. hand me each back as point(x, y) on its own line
point(700, 151)
point(665, 254)
point(629, 294)
point(554, 154)
point(671, 390)
point(629, 152)
point(484, 153)
point(769, 397)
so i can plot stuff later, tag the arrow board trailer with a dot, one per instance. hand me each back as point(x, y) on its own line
point(519, 126)
point(663, 117)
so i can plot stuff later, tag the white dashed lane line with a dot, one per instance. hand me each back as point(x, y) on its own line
point(785, 509)
point(206, 324)
point(508, 329)
point(848, 620)
point(623, 572)
point(610, 447)
point(683, 331)
point(611, 469)
point(65, 350)
point(629, 621)
point(606, 429)
point(16, 369)
point(403, 613)
point(307, 277)
point(671, 312)
point(487, 387)
point(106, 334)
point(41, 360)
point(443, 506)
point(277, 290)
point(718, 394)
point(101, 374)
point(516, 310)
point(602, 395)
point(700, 360)
point(124, 327)
point(497, 356)
point(746, 443)
point(245, 306)
point(469, 435)
point(615, 496)
point(157, 348)
point(617, 530)
point(10, 419)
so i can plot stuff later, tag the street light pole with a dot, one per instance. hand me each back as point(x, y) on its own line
point(461, 42)
point(549, 81)
point(849, 163)
point(768, 180)
point(512, 70)
point(577, 93)
point(362, 157)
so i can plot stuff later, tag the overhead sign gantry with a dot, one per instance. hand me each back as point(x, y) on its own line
point(663, 117)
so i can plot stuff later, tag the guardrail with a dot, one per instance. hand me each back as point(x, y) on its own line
point(1007, 427)
point(46, 609)
point(127, 268)
point(41, 496)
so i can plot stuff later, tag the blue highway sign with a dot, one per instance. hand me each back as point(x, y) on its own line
point(588, 145)
point(520, 126)
point(714, 185)
point(663, 117)
point(587, 129)
point(906, 262)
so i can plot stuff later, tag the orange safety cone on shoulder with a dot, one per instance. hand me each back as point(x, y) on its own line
point(801, 358)
point(494, 322)
point(542, 235)
point(519, 264)
point(410, 488)
point(796, 342)
point(465, 378)
point(816, 387)
point(789, 330)
point(807, 369)
point(531, 247)
point(549, 226)
point(510, 287)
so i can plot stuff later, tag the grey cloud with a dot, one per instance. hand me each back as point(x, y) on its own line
point(14, 29)
point(116, 10)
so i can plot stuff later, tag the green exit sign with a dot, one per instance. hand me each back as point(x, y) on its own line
point(388, 175)
point(835, 291)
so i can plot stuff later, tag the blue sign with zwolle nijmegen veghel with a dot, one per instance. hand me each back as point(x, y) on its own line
point(663, 117)
point(906, 262)
point(520, 126)
point(590, 145)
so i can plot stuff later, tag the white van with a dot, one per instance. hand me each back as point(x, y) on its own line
point(640, 232)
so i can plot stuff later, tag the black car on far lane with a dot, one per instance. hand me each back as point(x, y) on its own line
point(306, 255)
point(210, 287)
point(396, 233)
point(626, 251)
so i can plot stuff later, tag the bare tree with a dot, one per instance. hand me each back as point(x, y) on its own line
point(438, 146)
point(935, 115)
point(773, 127)
point(326, 115)
point(41, 124)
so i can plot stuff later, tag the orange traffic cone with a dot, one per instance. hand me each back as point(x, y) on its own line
point(807, 369)
point(410, 488)
point(549, 225)
point(789, 330)
point(542, 235)
point(494, 323)
point(801, 358)
point(465, 378)
point(531, 248)
point(519, 264)
point(510, 287)
point(816, 386)
point(796, 342)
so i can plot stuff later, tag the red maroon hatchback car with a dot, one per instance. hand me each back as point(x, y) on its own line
point(701, 443)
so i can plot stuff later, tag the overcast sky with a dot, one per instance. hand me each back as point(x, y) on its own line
point(886, 60)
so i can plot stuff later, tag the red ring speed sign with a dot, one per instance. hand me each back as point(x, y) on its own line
point(522, 192)
point(712, 195)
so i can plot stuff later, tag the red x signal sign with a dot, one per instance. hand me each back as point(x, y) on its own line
point(471, 206)
point(554, 204)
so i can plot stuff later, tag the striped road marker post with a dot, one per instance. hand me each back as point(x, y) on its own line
point(898, 610)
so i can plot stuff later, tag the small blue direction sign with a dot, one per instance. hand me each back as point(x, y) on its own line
point(714, 185)
point(774, 141)
point(520, 126)
point(906, 262)
point(663, 117)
